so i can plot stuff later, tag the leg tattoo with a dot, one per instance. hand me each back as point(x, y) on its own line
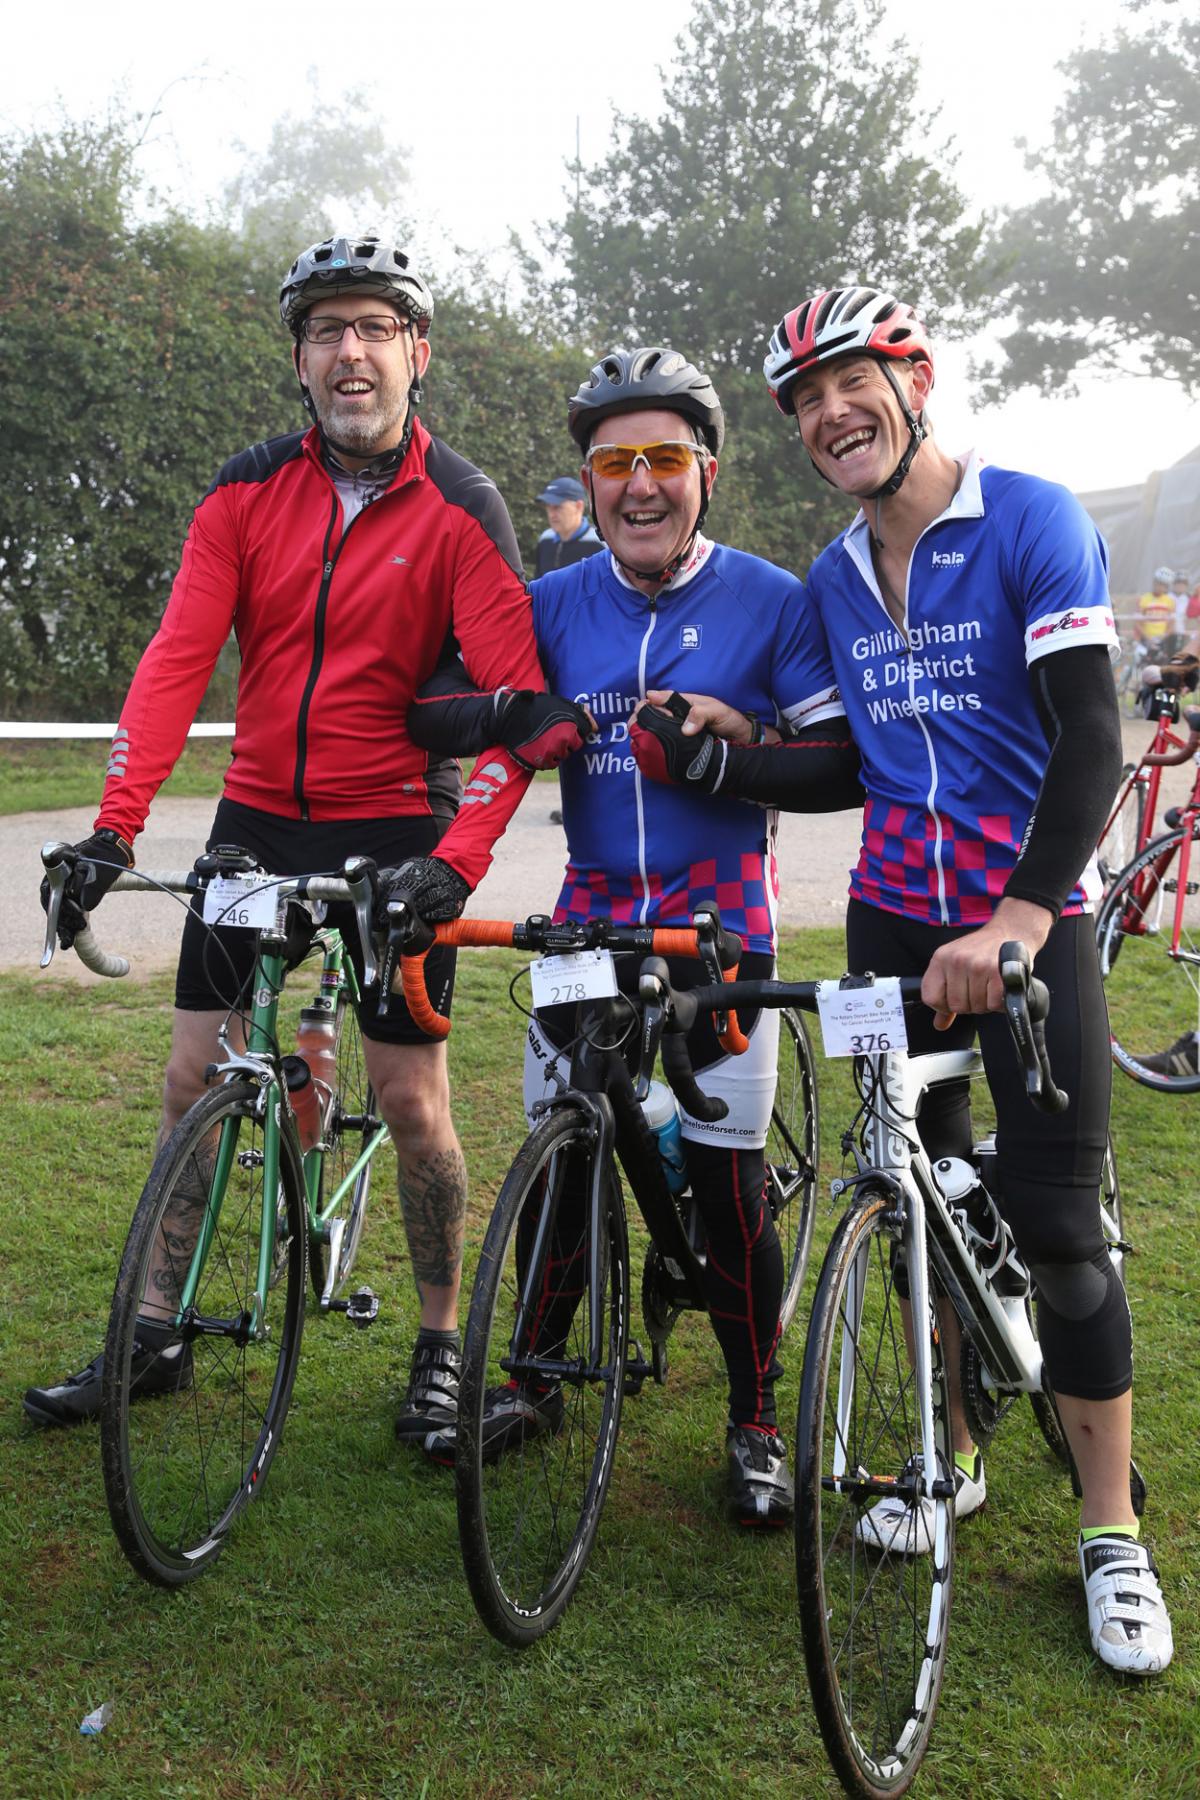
point(433, 1196)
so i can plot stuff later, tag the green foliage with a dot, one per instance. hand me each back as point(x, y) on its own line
point(135, 355)
point(789, 157)
point(1102, 271)
point(497, 393)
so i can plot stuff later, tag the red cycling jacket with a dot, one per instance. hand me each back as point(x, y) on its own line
point(336, 631)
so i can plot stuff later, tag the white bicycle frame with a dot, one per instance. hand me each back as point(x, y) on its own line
point(998, 1324)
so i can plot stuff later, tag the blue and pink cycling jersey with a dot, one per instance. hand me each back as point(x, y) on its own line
point(729, 625)
point(953, 752)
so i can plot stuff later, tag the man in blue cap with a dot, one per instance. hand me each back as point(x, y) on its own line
point(571, 535)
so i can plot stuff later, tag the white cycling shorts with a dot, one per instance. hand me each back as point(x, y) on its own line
point(746, 1084)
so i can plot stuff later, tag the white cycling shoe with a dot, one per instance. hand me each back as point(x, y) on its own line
point(908, 1531)
point(1127, 1615)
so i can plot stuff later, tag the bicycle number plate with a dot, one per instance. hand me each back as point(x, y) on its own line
point(243, 900)
point(583, 975)
point(861, 1021)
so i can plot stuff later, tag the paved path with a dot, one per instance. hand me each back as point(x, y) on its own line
point(816, 853)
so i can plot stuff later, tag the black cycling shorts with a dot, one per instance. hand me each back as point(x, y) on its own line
point(215, 967)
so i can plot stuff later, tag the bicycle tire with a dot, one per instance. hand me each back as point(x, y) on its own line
point(180, 1465)
point(1120, 840)
point(874, 1620)
point(527, 1516)
point(1152, 993)
point(792, 1156)
point(352, 1121)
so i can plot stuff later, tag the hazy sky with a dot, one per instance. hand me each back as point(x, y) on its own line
point(486, 98)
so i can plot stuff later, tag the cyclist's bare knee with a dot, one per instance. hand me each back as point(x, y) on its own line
point(193, 1047)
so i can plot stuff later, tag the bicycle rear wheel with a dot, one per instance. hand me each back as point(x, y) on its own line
point(530, 1493)
point(791, 1156)
point(1152, 977)
point(874, 1618)
point(192, 1413)
point(1123, 834)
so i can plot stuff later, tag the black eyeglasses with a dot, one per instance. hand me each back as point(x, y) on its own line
point(373, 328)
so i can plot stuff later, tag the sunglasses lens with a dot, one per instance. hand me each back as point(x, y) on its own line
point(669, 459)
point(615, 462)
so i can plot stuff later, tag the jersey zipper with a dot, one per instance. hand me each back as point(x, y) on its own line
point(329, 559)
point(637, 773)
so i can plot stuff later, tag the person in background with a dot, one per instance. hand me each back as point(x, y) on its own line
point(1155, 625)
point(570, 535)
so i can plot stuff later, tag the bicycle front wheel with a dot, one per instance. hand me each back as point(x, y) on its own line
point(192, 1410)
point(1148, 935)
point(873, 1575)
point(791, 1156)
point(542, 1381)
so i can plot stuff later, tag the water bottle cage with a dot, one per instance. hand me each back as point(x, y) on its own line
point(994, 1256)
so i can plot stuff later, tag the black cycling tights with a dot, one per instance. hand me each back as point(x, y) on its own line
point(1050, 1165)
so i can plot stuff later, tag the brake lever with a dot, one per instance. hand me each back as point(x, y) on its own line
point(58, 860)
point(653, 986)
point(1027, 1002)
point(358, 872)
point(407, 934)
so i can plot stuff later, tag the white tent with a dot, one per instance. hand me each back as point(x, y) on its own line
point(1156, 525)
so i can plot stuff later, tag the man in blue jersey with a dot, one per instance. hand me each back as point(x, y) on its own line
point(664, 609)
point(968, 628)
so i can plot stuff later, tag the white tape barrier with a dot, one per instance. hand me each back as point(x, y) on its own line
point(10, 728)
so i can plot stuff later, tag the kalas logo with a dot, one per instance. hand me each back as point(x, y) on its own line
point(689, 637)
point(948, 559)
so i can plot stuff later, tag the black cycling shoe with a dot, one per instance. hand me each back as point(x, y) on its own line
point(430, 1409)
point(78, 1397)
point(511, 1416)
point(760, 1487)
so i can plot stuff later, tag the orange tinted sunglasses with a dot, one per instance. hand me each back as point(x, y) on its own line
point(617, 462)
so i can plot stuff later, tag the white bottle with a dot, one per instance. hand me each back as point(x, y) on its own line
point(662, 1116)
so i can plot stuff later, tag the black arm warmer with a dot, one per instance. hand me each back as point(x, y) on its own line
point(449, 714)
point(814, 771)
point(1077, 706)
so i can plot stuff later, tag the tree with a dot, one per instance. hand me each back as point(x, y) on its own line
point(789, 157)
point(330, 167)
point(1103, 271)
point(135, 356)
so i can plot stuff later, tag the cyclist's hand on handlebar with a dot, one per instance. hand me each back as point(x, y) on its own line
point(964, 976)
point(101, 858)
point(540, 730)
point(431, 887)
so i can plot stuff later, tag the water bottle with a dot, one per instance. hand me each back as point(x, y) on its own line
point(312, 1073)
point(986, 1233)
point(662, 1116)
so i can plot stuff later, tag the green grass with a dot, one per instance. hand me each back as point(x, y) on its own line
point(42, 775)
point(334, 1651)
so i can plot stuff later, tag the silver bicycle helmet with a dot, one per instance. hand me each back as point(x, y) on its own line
point(362, 265)
point(628, 380)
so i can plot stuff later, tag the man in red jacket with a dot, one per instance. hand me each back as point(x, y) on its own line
point(344, 558)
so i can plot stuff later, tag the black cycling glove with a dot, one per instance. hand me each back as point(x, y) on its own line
point(102, 857)
point(539, 730)
point(431, 887)
point(665, 754)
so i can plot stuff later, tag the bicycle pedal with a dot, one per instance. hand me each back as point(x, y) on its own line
point(1137, 1489)
point(636, 1370)
point(361, 1308)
